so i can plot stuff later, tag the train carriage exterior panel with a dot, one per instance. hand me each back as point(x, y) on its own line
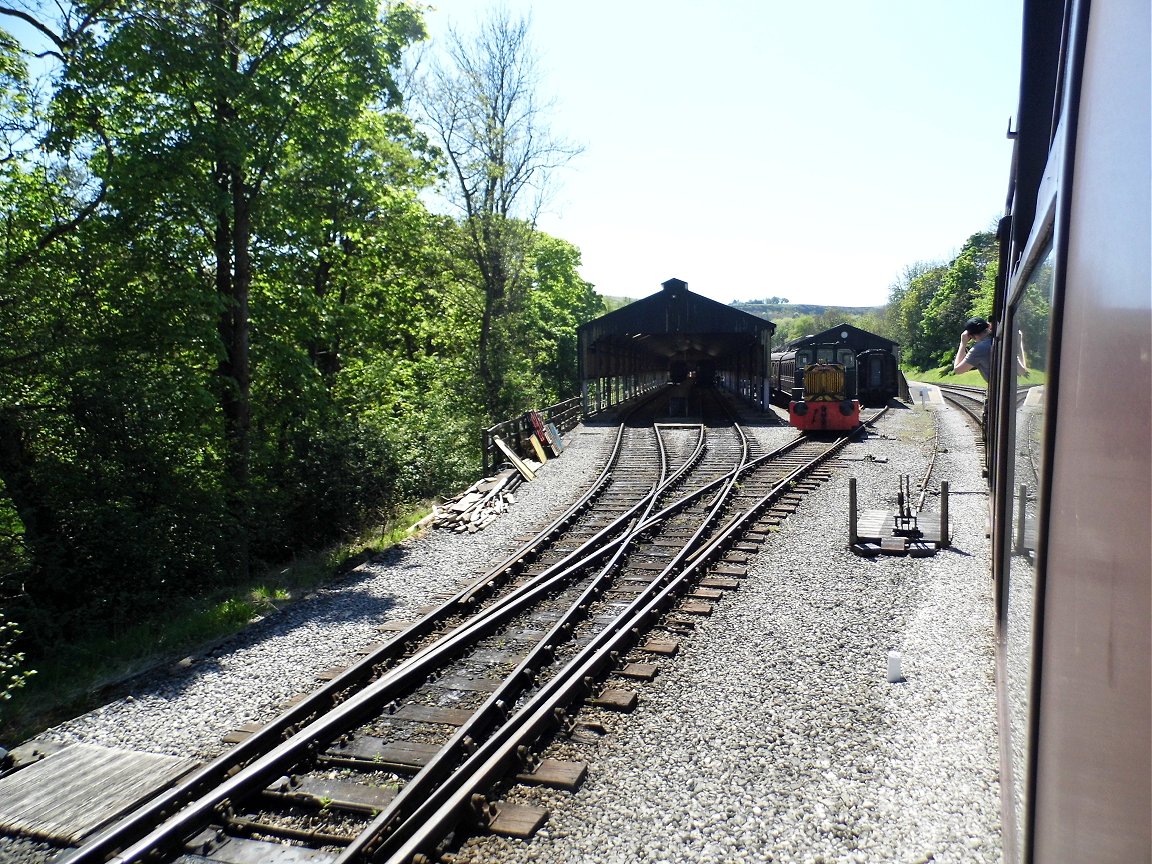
point(877, 376)
point(1071, 465)
point(817, 384)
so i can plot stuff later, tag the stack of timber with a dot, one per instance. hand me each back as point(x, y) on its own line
point(482, 502)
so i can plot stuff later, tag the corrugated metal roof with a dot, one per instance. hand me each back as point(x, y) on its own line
point(673, 323)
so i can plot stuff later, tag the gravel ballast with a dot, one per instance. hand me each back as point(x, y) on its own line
point(773, 736)
point(776, 736)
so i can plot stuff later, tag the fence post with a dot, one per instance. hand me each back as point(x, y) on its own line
point(853, 536)
point(945, 534)
point(1021, 512)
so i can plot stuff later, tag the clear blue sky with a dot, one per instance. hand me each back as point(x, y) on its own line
point(759, 148)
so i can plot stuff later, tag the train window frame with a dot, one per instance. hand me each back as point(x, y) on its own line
point(1039, 242)
point(1046, 242)
point(1020, 574)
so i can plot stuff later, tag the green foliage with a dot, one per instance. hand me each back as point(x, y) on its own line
point(230, 332)
point(797, 326)
point(928, 308)
point(955, 301)
point(12, 677)
point(611, 304)
point(70, 674)
point(795, 321)
point(482, 107)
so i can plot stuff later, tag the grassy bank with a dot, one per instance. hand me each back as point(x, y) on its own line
point(69, 679)
point(972, 378)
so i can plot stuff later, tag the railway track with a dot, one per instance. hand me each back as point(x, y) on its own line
point(970, 400)
point(404, 748)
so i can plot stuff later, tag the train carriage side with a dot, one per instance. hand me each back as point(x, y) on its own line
point(1072, 463)
point(878, 377)
point(871, 361)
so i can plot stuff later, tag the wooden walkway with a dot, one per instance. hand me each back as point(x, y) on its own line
point(68, 795)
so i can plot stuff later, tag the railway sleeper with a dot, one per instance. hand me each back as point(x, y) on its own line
point(213, 845)
point(326, 792)
point(663, 647)
point(520, 821)
point(251, 824)
point(615, 699)
point(555, 774)
point(719, 582)
point(235, 736)
point(706, 594)
point(728, 569)
point(585, 731)
point(695, 607)
point(369, 753)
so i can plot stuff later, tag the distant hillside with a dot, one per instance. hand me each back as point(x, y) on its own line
point(611, 304)
point(780, 311)
point(771, 311)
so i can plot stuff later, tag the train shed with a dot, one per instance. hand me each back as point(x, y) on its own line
point(853, 337)
point(673, 336)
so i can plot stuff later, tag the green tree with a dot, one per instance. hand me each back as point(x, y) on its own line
point(918, 352)
point(482, 106)
point(559, 302)
point(789, 329)
point(902, 322)
point(955, 298)
point(202, 102)
point(45, 199)
point(12, 677)
point(194, 242)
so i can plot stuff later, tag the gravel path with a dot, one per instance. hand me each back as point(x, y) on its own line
point(773, 736)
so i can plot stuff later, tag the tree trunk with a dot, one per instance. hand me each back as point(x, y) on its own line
point(487, 378)
point(233, 280)
point(52, 571)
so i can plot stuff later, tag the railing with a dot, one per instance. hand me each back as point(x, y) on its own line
point(517, 432)
point(600, 394)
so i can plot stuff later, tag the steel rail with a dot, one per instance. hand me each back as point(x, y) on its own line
point(141, 820)
point(167, 816)
point(445, 807)
point(263, 768)
point(493, 711)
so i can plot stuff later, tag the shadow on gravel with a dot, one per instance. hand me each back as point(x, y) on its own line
point(341, 602)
